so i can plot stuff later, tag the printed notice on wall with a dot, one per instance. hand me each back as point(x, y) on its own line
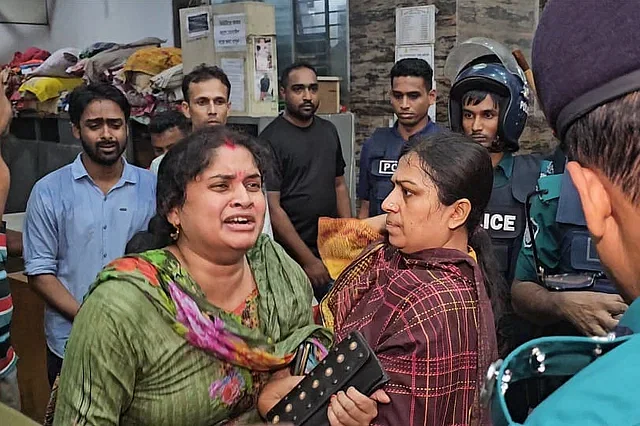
point(230, 32)
point(198, 25)
point(422, 51)
point(416, 25)
point(234, 68)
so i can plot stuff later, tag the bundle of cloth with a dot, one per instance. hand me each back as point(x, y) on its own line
point(131, 67)
point(105, 64)
point(37, 80)
point(30, 58)
point(138, 76)
point(46, 88)
point(148, 74)
point(23, 63)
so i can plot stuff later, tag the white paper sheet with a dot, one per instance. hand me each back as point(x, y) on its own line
point(234, 68)
point(415, 25)
point(230, 32)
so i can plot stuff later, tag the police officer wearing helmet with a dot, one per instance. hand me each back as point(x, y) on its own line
point(489, 102)
point(593, 106)
point(411, 96)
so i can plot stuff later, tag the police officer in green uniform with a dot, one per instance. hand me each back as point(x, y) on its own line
point(587, 69)
point(560, 283)
point(560, 286)
point(489, 101)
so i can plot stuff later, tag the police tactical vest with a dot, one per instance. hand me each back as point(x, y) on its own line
point(578, 250)
point(504, 219)
point(384, 155)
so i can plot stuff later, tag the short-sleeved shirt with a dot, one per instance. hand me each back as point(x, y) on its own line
point(72, 230)
point(307, 161)
point(392, 136)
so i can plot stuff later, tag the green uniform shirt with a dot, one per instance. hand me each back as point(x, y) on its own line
point(547, 232)
point(502, 172)
point(603, 393)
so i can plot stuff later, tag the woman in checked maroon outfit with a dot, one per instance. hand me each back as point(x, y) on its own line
point(421, 296)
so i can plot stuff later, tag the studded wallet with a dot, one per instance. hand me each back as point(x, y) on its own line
point(350, 363)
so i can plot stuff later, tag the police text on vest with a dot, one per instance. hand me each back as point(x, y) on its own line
point(499, 222)
point(387, 167)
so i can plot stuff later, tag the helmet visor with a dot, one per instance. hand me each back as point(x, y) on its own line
point(470, 50)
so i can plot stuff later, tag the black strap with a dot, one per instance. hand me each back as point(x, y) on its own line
point(540, 272)
point(4, 347)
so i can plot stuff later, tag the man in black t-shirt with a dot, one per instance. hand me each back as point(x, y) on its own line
point(307, 181)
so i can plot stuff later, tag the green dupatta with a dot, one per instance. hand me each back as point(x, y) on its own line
point(284, 306)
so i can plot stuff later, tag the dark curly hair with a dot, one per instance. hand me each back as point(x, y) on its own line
point(182, 164)
point(83, 95)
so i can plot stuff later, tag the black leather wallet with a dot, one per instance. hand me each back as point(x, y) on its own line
point(350, 363)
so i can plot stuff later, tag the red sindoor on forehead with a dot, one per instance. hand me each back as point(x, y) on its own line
point(229, 143)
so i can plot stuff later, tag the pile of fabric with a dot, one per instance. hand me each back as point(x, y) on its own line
point(148, 74)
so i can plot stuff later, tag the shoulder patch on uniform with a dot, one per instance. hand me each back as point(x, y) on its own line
point(526, 240)
point(546, 168)
point(551, 186)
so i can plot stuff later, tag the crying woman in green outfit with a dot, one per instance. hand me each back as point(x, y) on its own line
point(198, 329)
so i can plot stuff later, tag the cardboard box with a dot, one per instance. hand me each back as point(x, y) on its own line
point(329, 95)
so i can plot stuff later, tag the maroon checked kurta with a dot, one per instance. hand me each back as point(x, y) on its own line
point(428, 318)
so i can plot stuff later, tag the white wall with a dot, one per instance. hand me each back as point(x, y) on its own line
point(78, 23)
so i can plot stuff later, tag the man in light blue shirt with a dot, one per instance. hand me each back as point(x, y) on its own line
point(80, 217)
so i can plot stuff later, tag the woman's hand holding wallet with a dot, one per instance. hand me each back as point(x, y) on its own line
point(278, 387)
point(350, 408)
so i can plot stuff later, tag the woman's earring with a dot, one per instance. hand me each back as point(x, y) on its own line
point(174, 235)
